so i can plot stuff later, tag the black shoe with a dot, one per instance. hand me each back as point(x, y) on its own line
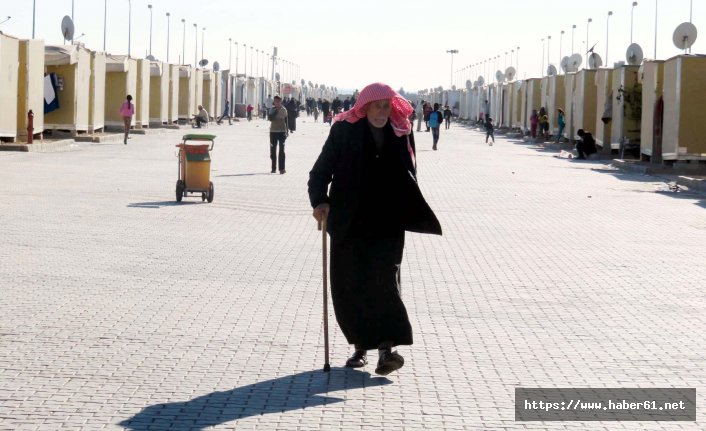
point(358, 360)
point(273, 171)
point(389, 361)
point(282, 172)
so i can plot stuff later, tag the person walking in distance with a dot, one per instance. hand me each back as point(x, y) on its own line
point(435, 120)
point(489, 130)
point(127, 111)
point(226, 113)
point(369, 162)
point(419, 112)
point(447, 116)
point(278, 134)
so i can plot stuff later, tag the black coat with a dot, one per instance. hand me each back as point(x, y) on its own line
point(339, 164)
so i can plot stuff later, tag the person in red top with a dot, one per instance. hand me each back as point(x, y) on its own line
point(249, 109)
point(127, 110)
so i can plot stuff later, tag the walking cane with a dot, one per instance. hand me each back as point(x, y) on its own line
point(322, 228)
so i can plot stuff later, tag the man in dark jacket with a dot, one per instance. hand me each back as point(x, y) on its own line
point(586, 146)
point(369, 161)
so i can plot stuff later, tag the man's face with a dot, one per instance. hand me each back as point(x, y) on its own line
point(379, 112)
point(278, 103)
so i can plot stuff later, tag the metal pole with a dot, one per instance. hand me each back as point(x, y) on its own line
point(183, 42)
point(203, 40)
point(72, 19)
point(245, 72)
point(129, 27)
point(656, 10)
point(149, 6)
point(230, 52)
point(196, 45)
point(251, 60)
point(237, 50)
point(168, 18)
point(549, 44)
point(573, 30)
point(105, 22)
point(632, 13)
point(607, 35)
point(541, 69)
point(588, 26)
point(34, 13)
point(561, 47)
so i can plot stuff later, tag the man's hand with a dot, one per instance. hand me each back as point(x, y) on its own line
point(320, 212)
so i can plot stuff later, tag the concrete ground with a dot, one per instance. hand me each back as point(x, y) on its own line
point(120, 308)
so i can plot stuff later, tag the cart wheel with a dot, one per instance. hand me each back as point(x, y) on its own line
point(179, 190)
point(203, 196)
point(210, 192)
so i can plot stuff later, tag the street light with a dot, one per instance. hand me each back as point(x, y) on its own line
point(632, 12)
point(237, 49)
point(196, 45)
point(656, 10)
point(183, 42)
point(542, 67)
point(607, 34)
point(129, 27)
point(561, 46)
point(245, 57)
point(588, 24)
point(230, 52)
point(573, 30)
point(105, 21)
point(251, 49)
point(168, 15)
point(149, 6)
point(452, 52)
point(203, 39)
point(549, 44)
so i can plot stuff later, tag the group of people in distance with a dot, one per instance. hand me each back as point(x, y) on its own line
point(585, 146)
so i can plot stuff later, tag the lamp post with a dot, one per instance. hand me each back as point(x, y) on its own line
point(607, 35)
point(251, 49)
point(573, 30)
point(452, 52)
point(237, 50)
point(129, 26)
point(541, 69)
point(632, 13)
point(517, 59)
point(656, 10)
point(245, 71)
point(196, 45)
point(561, 46)
point(549, 44)
point(183, 42)
point(203, 39)
point(588, 25)
point(149, 6)
point(72, 19)
point(105, 21)
point(34, 15)
point(230, 52)
point(168, 18)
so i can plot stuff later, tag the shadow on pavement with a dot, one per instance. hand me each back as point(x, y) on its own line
point(246, 175)
point(294, 392)
point(157, 205)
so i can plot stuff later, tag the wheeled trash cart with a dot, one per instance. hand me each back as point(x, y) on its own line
point(195, 167)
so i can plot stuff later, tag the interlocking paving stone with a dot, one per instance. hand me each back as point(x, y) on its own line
point(121, 308)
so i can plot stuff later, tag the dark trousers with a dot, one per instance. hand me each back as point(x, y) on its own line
point(585, 150)
point(435, 135)
point(200, 121)
point(489, 134)
point(447, 122)
point(225, 114)
point(275, 139)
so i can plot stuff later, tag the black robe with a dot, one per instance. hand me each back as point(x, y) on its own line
point(374, 199)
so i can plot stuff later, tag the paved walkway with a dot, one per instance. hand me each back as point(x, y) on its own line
point(120, 308)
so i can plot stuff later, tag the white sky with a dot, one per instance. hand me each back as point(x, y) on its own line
point(351, 44)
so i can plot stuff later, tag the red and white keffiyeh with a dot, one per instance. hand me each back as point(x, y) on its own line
point(399, 113)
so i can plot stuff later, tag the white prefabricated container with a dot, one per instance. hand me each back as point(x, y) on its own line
point(72, 66)
point(159, 93)
point(580, 106)
point(173, 71)
point(30, 91)
point(187, 92)
point(553, 97)
point(652, 78)
point(684, 135)
point(625, 121)
point(120, 80)
point(604, 103)
point(209, 92)
point(142, 107)
point(532, 99)
point(96, 94)
point(198, 88)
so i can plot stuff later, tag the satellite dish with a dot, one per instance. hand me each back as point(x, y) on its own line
point(510, 73)
point(565, 64)
point(594, 61)
point(634, 54)
point(67, 28)
point(499, 76)
point(203, 62)
point(150, 57)
point(685, 35)
point(575, 62)
point(216, 66)
point(469, 84)
point(481, 81)
point(277, 76)
point(551, 70)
